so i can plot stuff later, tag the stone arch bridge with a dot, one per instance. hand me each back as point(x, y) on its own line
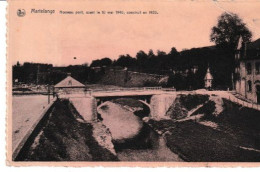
point(156, 98)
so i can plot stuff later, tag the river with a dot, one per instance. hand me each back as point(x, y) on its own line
point(133, 139)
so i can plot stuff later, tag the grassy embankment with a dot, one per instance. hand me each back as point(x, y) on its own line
point(63, 138)
point(237, 137)
point(132, 79)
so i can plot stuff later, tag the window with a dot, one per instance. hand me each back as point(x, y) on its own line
point(257, 68)
point(249, 86)
point(237, 56)
point(249, 68)
point(237, 70)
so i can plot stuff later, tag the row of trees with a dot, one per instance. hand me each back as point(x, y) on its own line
point(219, 58)
point(36, 73)
point(142, 61)
point(186, 69)
point(178, 65)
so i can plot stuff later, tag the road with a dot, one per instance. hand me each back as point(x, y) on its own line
point(26, 110)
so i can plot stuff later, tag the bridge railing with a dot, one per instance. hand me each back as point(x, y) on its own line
point(152, 88)
point(125, 89)
point(109, 90)
point(244, 103)
point(168, 89)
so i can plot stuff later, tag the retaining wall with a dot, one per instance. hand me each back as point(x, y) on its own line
point(32, 131)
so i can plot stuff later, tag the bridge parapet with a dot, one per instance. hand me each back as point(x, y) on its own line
point(160, 104)
point(139, 90)
point(159, 98)
point(125, 89)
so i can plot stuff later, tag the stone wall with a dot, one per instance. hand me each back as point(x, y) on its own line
point(160, 104)
point(86, 107)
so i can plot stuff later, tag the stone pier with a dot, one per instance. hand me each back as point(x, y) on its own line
point(159, 105)
point(86, 107)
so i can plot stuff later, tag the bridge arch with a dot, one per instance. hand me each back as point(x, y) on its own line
point(157, 100)
point(147, 105)
point(146, 108)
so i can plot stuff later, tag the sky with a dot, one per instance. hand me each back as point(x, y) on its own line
point(57, 39)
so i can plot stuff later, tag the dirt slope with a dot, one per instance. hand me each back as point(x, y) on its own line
point(64, 138)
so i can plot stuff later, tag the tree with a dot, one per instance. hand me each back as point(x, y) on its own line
point(228, 30)
point(174, 52)
point(142, 58)
point(173, 57)
point(125, 61)
point(151, 54)
point(106, 61)
point(161, 53)
point(100, 63)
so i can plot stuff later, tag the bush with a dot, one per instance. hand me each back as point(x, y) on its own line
point(191, 101)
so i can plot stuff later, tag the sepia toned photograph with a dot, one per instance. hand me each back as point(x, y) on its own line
point(133, 83)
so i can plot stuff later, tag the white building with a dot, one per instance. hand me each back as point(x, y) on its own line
point(69, 85)
point(208, 80)
point(247, 70)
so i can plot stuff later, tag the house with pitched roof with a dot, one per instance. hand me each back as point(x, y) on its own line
point(69, 85)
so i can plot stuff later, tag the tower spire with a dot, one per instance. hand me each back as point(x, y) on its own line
point(208, 79)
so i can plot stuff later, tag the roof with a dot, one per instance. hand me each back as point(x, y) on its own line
point(208, 75)
point(69, 82)
point(254, 45)
point(252, 51)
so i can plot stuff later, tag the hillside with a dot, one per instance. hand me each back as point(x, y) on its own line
point(207, 128)
point(132, 79)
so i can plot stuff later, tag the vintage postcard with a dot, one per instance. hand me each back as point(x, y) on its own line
point(133, 83)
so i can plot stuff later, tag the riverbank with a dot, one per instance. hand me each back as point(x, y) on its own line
point(216, 131)
point(65, 136)
point(198, 128)
point(133, 139)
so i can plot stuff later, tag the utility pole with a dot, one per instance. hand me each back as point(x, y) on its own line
point(37, 75)
point(48, 93)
